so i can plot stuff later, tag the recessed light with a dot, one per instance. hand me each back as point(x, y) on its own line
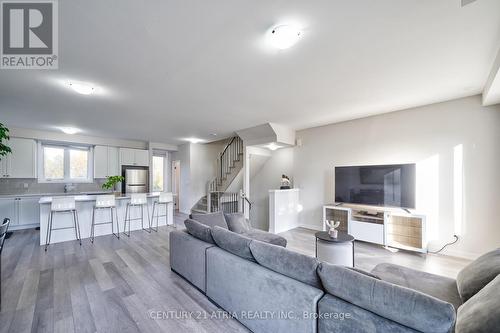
point(284, 36)
point(70, 130)
point(82, 88)
point(194, 140)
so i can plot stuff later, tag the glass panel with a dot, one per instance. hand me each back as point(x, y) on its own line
point(78, 163)
point(53, 163)
point(158, 173)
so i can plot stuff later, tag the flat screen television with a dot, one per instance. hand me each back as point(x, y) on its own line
point(376, 185)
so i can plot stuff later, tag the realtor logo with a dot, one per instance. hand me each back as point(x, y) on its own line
point(29, 35)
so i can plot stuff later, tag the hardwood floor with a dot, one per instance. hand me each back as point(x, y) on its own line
point(115, 285)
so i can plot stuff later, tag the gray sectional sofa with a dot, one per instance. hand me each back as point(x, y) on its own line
point(269, 288)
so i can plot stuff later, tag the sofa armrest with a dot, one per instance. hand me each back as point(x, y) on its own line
point(405, 306)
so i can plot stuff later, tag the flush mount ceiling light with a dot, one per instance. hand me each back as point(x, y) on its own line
point(284, 36)
point(273, 146)
point(194, 140)
point(82, 88)
point(69, 130)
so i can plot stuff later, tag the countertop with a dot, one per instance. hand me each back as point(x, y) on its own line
point(87, 197)
point(56, 194)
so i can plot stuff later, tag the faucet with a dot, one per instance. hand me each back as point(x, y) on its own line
point(69, 188)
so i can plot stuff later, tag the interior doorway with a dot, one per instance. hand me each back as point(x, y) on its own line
point(176, 183)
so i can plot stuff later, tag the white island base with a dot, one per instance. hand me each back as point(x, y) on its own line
point(84, 207)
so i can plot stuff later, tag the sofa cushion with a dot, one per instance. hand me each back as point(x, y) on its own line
point(266, 237)
point(438, 286)
point(289, 263)
point(232, 242)
point(481, 313)
point(211, 219)
point(237, 222)
point(405, 306)
point(199, 230)
point(478, 274)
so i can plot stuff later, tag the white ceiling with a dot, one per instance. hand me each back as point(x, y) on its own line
point(187, 68)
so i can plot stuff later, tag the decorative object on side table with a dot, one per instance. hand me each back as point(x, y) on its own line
point(333, 232)
point(111, 182)
point(285, 183)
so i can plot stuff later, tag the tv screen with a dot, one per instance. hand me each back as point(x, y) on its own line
point(377, 185)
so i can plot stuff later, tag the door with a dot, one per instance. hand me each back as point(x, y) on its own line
point(22, 162)
point(127, 156)
point(28, 211)
point(141, 157)
point(136, 181)
point(100, 162)
point(176, 182)
point(113, 165)
point(8, 209)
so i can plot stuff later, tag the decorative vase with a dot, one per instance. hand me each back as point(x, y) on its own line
point(333, 233)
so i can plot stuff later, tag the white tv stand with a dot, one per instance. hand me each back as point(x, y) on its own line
point(392, 227)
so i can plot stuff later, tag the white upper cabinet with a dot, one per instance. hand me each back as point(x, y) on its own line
point(138, 157)
point(21, 163)
point(142, 157)
point(105, 161)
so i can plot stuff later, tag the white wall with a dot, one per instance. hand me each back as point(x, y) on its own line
point(183, 155)
point(203, 168)
point(198, 166)
point(267, 178)
point(428, 136)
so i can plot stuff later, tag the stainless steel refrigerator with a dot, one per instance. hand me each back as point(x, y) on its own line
point(136, 179)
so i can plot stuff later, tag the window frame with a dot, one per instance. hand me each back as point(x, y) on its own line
point(66, 164)
point(164, 173)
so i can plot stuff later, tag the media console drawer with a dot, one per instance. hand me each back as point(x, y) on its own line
point(368, 232)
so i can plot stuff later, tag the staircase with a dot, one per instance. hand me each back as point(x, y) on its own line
point(218, 198)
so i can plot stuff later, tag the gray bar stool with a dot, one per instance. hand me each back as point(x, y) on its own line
point(3, 231)
point(103, 202)
point(163, 200)
point(63, 205)
point(136, 200)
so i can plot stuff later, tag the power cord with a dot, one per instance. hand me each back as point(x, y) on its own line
point(448, 244)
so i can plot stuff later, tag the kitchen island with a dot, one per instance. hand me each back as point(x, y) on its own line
point(84, 207)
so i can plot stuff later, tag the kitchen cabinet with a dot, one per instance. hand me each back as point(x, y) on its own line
point(138, 157)
point(23, 212)
point(21, 163)
point(8, 208)
point(105, 162)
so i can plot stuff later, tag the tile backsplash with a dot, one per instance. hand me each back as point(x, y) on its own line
point(32, 186)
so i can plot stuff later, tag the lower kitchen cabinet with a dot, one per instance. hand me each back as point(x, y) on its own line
point(23, 212)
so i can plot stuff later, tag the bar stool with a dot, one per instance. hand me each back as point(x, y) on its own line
point(163, 200)
point(136, 200)
point(103, 202)
point(63, 205)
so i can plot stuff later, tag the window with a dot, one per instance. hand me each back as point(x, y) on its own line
point(158, 173)
point(65, 164)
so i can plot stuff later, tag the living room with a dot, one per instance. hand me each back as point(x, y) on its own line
point(250, 167)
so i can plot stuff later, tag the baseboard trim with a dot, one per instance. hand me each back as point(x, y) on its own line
point(311, 226)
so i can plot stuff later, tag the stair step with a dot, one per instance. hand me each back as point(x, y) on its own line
point(194, 210)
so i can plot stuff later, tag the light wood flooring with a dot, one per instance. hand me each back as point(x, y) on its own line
point(114, 284)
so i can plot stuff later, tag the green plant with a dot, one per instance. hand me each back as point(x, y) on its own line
point(4, 136)
point(112, 181)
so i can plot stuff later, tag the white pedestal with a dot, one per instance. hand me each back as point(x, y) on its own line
point(335, 253)
point(283, 210)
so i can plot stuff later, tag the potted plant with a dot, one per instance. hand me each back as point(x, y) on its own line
point(111, 182)
point(4, 136)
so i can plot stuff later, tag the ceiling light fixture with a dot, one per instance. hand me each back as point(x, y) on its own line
point(273, 146)
point(194, 140)
point(70, 130)
point(284, 36)
point(82, 88)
